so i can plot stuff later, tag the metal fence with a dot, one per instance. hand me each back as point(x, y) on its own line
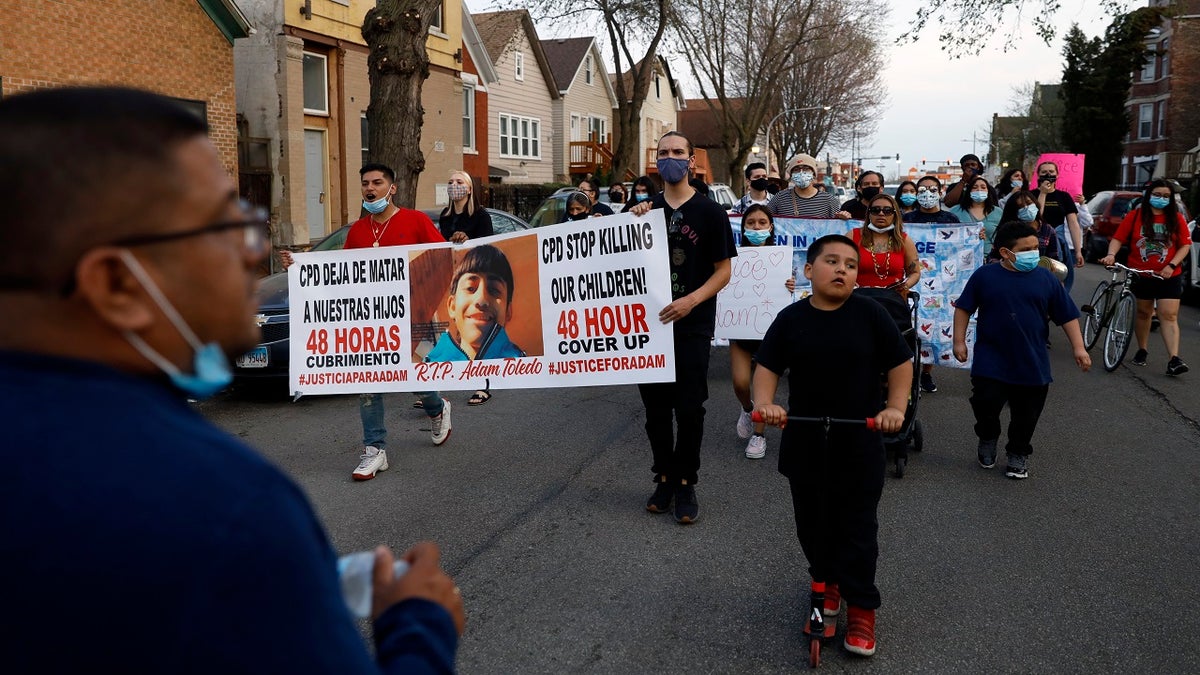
point(520, 200)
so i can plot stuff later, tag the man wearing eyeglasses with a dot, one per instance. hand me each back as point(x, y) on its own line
point(700, 246)
point(137, 535)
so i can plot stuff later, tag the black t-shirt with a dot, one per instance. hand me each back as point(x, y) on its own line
point(698, 241)
point(476, 225)
point(834, 362)
point(857, 209)
point(1058, 205)
point(601, 209)
point(939, 216)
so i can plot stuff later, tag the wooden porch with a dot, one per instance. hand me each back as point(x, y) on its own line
point(702, 171)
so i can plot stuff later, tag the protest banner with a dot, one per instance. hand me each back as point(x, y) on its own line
point(755, 293)
point(574, 304)
point(948, 254)
point(1070, 172)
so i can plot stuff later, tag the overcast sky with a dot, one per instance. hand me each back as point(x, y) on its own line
point(935, 104)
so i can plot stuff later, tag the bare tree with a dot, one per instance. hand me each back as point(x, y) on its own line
point(842, 70)
point(634, 30)
point(398, 65)
point(966, 25)
point(740, 60)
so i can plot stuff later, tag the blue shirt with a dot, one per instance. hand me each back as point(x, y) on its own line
point(498, 347)
point(1011, 329)
point(140, 537)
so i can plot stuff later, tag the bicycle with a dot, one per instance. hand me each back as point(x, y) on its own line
point(1112, 311)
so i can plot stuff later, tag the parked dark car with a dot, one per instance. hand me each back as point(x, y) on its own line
point(1108, 208)
point(270, 358)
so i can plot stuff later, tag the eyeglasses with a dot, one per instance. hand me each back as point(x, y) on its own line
point(676, 222)
point(928, 190)
point(882, 211)
point(1166, 195)
point(254, 231)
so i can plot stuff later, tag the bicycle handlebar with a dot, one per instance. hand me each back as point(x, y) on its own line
point(1118, 266)
point(869, 421)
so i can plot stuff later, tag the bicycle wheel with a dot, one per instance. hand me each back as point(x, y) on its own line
point(1093, 321)
point(1120, 331)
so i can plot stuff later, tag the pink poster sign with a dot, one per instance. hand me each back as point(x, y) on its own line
point(1070, 172)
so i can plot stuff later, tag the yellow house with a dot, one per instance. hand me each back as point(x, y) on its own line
point(303, 93)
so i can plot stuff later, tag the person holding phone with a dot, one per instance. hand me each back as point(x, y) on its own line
point(1058, 210)
point(972, 168)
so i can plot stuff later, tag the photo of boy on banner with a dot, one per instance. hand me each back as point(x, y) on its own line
point(465, 300)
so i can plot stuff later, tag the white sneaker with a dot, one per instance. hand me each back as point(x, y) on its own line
point(441, 424)
point(745, 425)
point(757, 447)
point(373, 460)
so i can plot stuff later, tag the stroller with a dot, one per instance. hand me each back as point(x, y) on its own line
point(904, 312)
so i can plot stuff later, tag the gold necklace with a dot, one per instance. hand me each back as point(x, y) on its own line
point(875, 258)
point(378, 235)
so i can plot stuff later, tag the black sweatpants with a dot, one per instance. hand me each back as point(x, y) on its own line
point(1025, 403)
point(678, 458)
point(835, 500)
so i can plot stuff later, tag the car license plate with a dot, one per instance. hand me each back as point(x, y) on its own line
point(255, 358)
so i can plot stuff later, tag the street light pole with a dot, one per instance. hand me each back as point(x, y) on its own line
point(813, 107)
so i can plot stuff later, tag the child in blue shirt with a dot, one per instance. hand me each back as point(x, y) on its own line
point(1011, 363)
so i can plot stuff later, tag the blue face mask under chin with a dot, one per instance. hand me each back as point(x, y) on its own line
point(378, 206)
point(211, 371)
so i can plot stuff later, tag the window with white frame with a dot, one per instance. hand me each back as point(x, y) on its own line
point(436, 26)
point(520, 137)
point(1162, 119)
point(1148, 67)
point(598, 129)
point(1165, 57)
point(587, 69)
point(468, 128)
point(1145, 120)
point(519, 66)
point(365, 132)
point(316, 83)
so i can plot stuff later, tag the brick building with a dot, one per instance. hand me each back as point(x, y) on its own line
point(1164, 100)
point(182, 49)
point(303, 93)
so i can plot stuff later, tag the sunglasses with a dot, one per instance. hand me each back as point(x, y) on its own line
point(882, 211)
point(928, 190)
point(1048, 175)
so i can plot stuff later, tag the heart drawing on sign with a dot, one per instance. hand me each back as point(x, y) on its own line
point(759, 289)
point(776, 257)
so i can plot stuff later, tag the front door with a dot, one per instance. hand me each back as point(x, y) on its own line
point(316, 201)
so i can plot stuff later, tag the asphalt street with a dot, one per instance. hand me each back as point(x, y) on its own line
point(538, 498)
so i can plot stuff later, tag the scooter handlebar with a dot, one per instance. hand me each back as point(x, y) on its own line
point(869, 421)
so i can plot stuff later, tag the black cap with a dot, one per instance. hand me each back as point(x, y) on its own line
point(967, 157)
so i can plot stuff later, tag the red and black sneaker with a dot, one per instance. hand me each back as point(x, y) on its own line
point(860, 631)
point(833, 600)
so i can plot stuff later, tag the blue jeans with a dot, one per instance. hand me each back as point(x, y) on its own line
point(370, 409)
point(1066, 255)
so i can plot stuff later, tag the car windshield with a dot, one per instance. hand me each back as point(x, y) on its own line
point(1121, 206)
point(334, 242)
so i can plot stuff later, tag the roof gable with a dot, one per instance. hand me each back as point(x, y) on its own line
point(499, 29)
point(228, 18)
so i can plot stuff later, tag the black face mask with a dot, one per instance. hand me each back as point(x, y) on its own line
point(579, 216)
point(759, 184)
point(772, 188)
point(869, 193)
